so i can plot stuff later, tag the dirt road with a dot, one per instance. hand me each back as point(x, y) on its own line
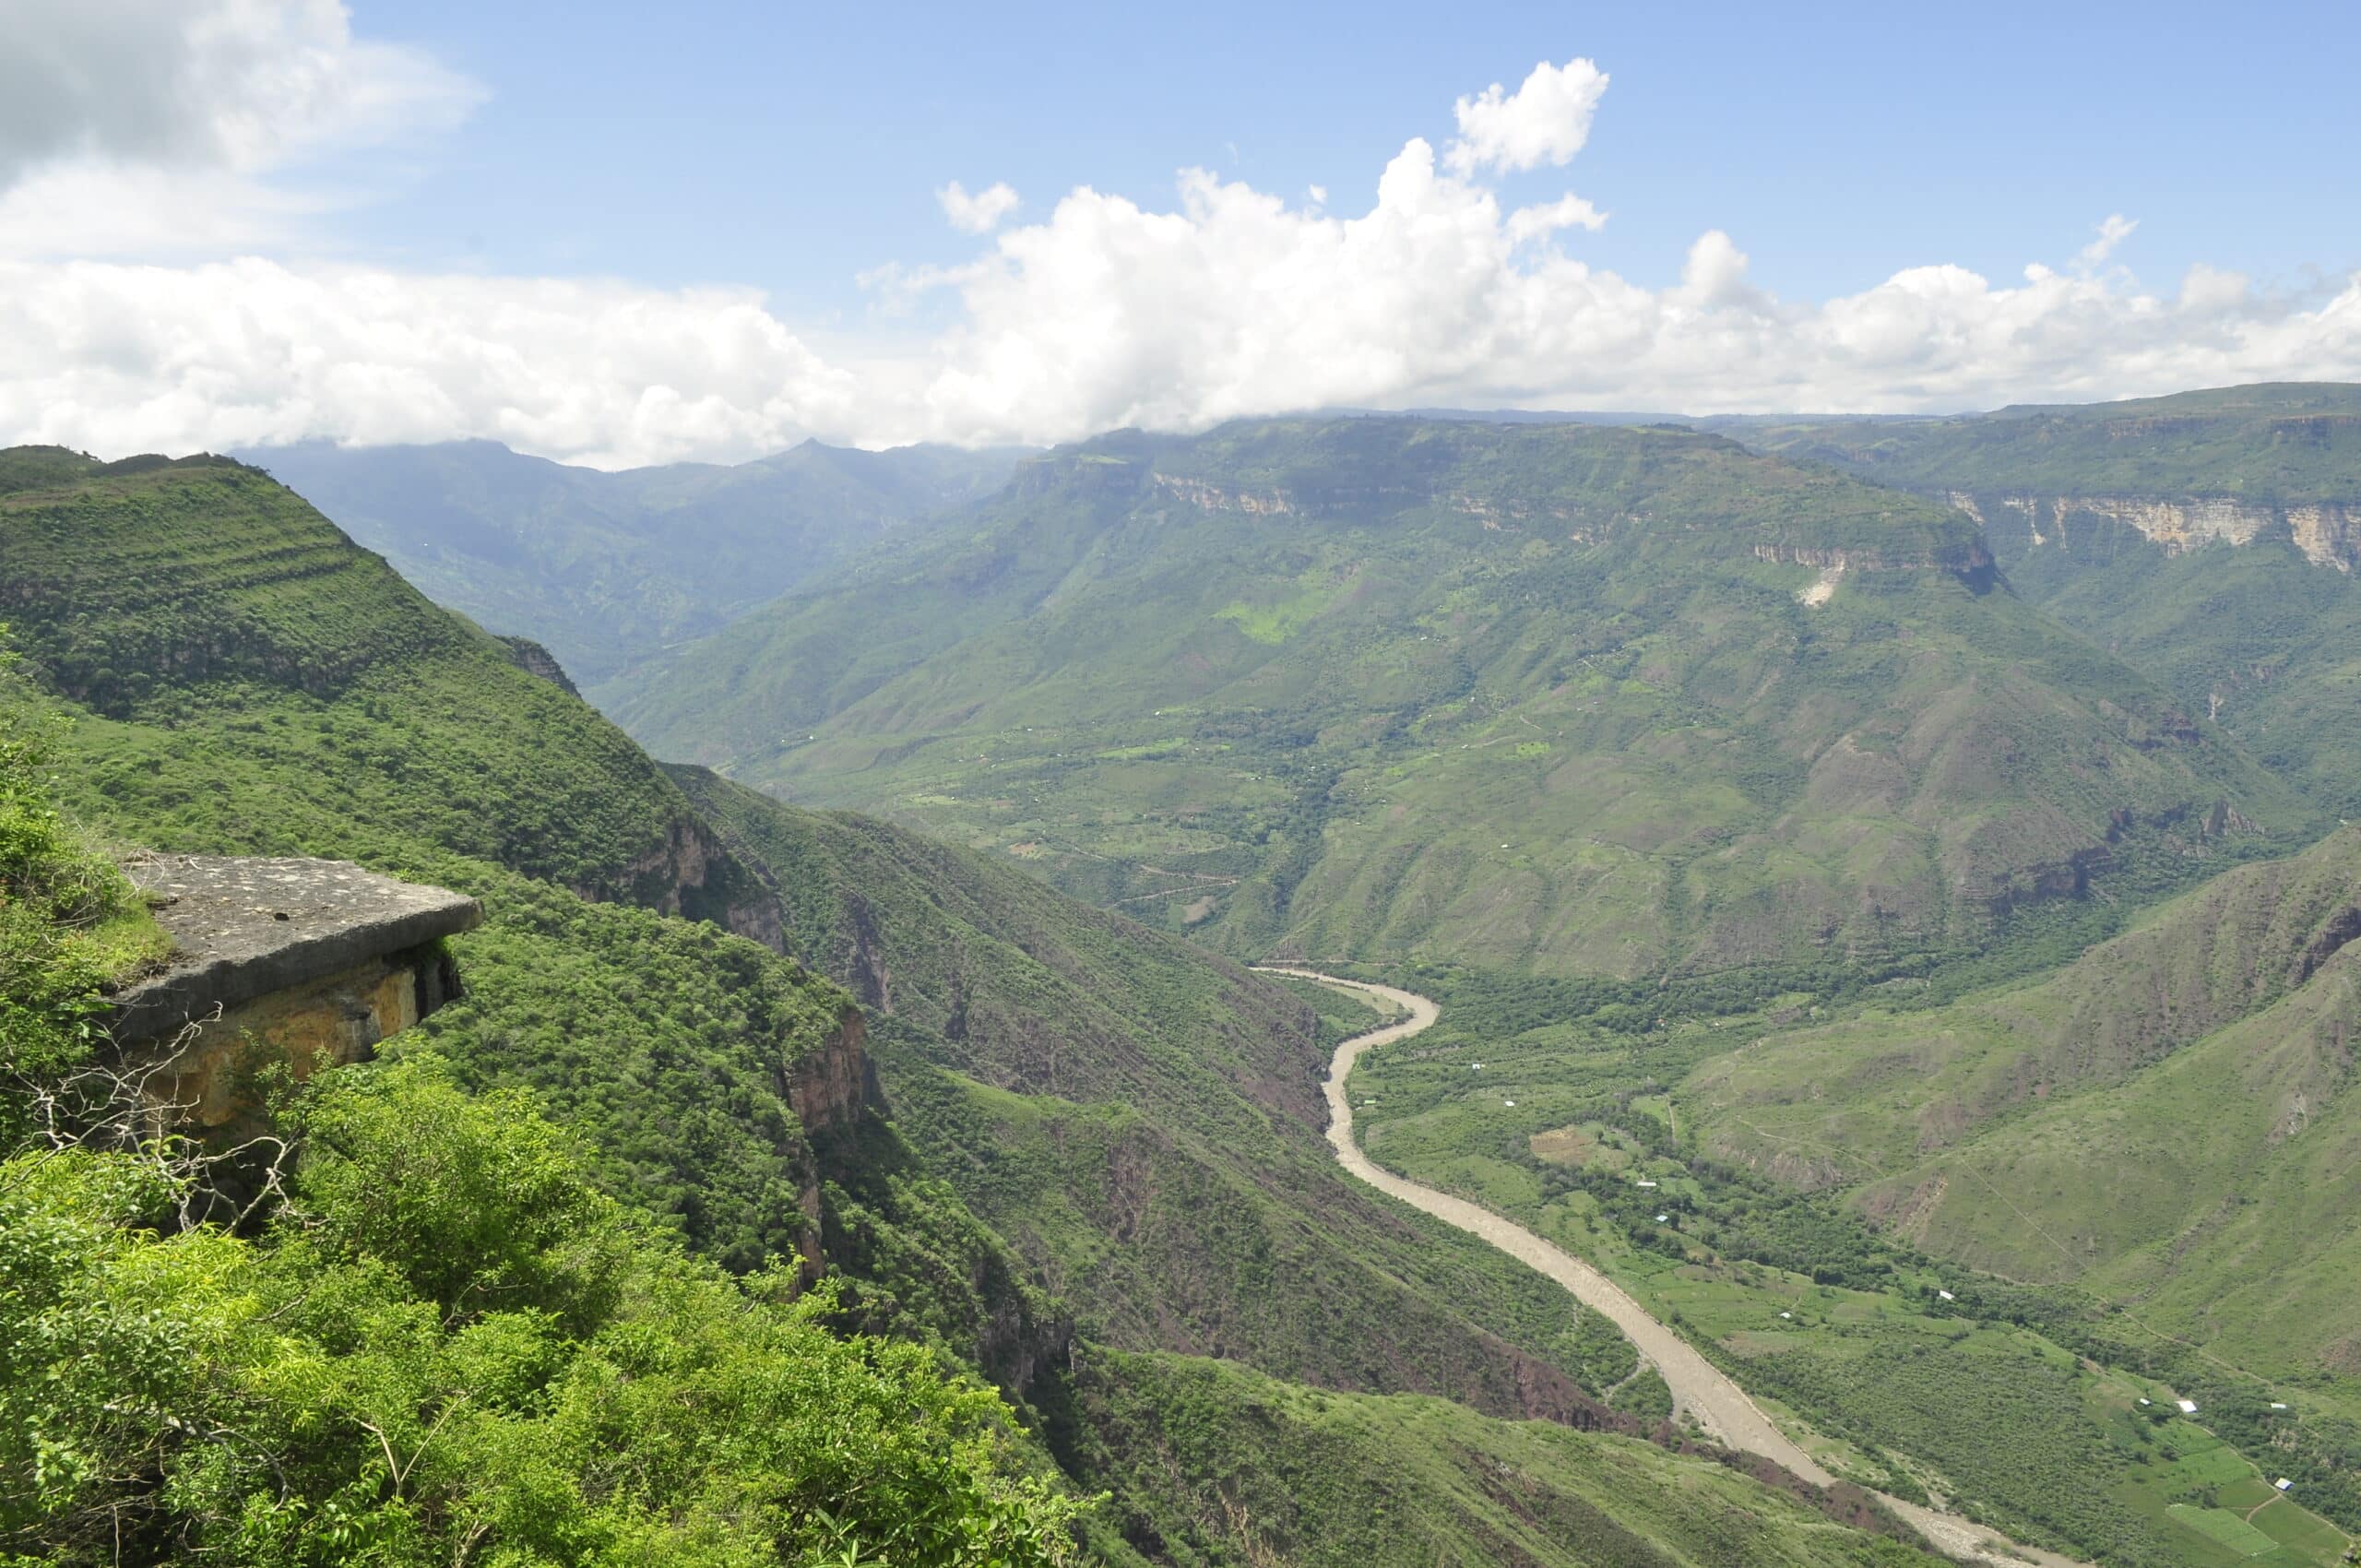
point(1699, 1388)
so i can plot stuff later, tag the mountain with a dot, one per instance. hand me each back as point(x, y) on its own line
point(1553, 697)
point(1142, 1120)
point(2207, 1054)
point(2209, 538)
point(605, 568)
point(1097, 1154)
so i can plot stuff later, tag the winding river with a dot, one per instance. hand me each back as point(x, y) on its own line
point(1700, 1389)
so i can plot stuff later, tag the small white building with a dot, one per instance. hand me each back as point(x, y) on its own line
point(1663, 1219)
point(2188, 1407)
point(2277, 1406)
point(1945, 1295)
point(2284, 1484)
point(1508, 1104)
point(1786, 1315)
point(1647, 1183)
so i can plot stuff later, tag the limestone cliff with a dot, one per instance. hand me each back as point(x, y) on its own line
point(2329, 533)
point(1965, 557)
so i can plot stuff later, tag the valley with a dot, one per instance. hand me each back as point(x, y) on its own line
point(1723, 1314)
point(1777, 904)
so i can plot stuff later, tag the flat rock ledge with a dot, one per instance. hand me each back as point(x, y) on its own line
point(245, 927)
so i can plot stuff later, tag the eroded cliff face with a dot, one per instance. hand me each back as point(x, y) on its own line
point(827, 1090)
point(692, 873)
point(1964, 558)
point(2329, 533)
point(534, 659)
point(829, 1087)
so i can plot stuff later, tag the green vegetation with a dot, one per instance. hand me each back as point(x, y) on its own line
point(1527, 697)
point(2258, 635)
point(1215, 1465)
point(1143, 1123)
point(452, 1348)
point(2280, 442)
point(451, 1344)
point(69, 920)
point(481, 1335)
point(607, 568)
point(2205, 1051)
point(1986, 1397)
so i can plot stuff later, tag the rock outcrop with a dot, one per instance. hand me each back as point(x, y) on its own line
point(2329, 533)
point(534, 659)
point(692, 873)
point(308, 963)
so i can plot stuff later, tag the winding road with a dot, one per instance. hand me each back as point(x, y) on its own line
point(1699, 1388)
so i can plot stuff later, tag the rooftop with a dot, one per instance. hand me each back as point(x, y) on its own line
point(243, 927)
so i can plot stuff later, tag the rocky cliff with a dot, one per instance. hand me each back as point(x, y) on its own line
point(2329, 533)
point(534, 659)
point(692, 873)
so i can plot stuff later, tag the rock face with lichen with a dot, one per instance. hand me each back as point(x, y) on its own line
point(305, 962)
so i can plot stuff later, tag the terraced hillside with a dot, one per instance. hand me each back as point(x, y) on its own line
point(2210, 538)
point(606, 568)
point(1553, 697)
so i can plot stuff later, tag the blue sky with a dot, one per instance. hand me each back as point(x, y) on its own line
point(796, 145)
point(623, 234)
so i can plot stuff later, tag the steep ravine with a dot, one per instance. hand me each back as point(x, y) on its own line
point(1699, 1388)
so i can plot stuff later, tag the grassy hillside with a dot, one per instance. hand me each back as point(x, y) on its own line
point(2022, 1405)
point(2207, 1054)
point(1884, 1086)
point(1142, 1121)
point(2103, 515)
point(1528, 696)
point(2286, 442)
point(1215, 1465)
point(607, 568)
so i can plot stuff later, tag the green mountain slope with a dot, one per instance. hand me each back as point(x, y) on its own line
point(2209, 538)
point(2164, 1121)
point(1553, 697)
point(607, 568)
point(1215, 1465)
point(2286, 443)
point(239, 677)
point(1143, 1121)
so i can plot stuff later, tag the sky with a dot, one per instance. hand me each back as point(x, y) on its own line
point(616, 234)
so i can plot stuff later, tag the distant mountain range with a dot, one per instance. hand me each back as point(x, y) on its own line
point(605, 569)
point(1562, 697)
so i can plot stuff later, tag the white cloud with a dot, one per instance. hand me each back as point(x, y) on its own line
point(1103, 313)
point(1545, 121)
point(117, 359)
point(2111, 232)
point(1566, 212)
point(979, 213)
point(143, 125)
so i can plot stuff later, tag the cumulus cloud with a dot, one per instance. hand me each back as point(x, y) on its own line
point(116, 358)
point(979, 213)
point(1545, 121)
point(1111, 313)
point(1566, 212)
point(1105, 312)
point(135, 125)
